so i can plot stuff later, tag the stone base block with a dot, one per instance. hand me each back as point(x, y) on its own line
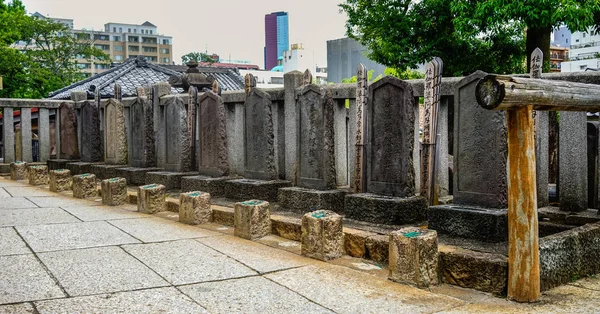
point(214, 186)
point(385, 209)
point(133, 175)
point(104, 172)
point(303, 200)
point(18, 170)
point(489, 225)
point(151, 198)
point(84, 186)
point(414, 257)
point(171, 180)
point(58, 164)
point(254, 189)
point(38, 175)
point(114, 191)
point(60, 180)
point(252, 219)
point(322, 235)
point(80, 167)
point(194, 208)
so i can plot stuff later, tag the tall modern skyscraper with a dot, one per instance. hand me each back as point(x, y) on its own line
point(277, 38)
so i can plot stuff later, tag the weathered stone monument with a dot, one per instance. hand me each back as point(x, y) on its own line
point(389, 193)
point(572, 162)
point(194, 208)
point(593, 148)
point(322, 235)
point(91, 142)
point(151, 198)
point(84, 186)
point(115, 137)
point(69, 144)
point(315, 164)
point(114, 191)
point(252, 219)
point(414, 257)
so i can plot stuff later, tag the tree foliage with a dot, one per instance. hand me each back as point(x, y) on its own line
point(38, 56)
point(198, 57)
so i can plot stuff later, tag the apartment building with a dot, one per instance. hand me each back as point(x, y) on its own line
point(122, 41)
point(584, 52)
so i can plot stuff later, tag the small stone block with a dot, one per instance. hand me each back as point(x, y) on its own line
point(38, 175)
point(381, 209)
point(194, 208)
point(151, 198)
point(322, 235)
point(60, 180)
point(252, 219)
point(414, 257)
point(114, 191)
point(18, 170)
point(302, 200)
point(84, 186)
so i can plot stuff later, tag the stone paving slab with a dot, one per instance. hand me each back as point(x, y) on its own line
point(160, 230)
point(44, 238)
point(35, 216)
point(250, 295)
point(61, 200)
point(592, 283)
point(8, 182)
point(347, 291)
point(11, 243)
point(4, 194)
point(24, 279)
point(17, 308)
point(97, 213)
point(187, 261)
point(99, 270)
point(257, 256)
point(28, 191)
point(161, 300)
point(16, 203)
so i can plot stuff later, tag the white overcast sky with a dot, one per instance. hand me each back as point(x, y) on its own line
point(227, 27)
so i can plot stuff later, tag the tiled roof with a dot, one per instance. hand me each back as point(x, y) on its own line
point(136, 72)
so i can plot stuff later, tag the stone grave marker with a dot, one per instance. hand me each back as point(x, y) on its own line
point(592, 162)
point(213, 156)
point(142, 134)
point(115, 137)
point(177, 150)
point(69, 144)
point(91, 143)
point(259, 137)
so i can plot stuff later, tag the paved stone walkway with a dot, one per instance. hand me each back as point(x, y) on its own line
point(62, 255)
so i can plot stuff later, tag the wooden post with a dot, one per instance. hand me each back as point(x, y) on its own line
point(361, 101)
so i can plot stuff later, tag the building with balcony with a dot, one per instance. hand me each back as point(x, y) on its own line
point(558, 55)
point(584, 53)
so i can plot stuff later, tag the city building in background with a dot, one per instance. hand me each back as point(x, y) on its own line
point(558, 55)
point(584, 52)
point(276, 38)
point(343, 57)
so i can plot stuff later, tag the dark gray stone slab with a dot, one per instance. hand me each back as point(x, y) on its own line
point(572, 162)
point(115, 137)
point(103, 172)
point(79, 167)
point(212, 141)
point(542, 157)
point(142, 148)
point(490, 225)
point(260, 137)
point(390, 135)
point(303, 200)
point(316, 149)
point(246, 189)
point(133, 175)
point(91, 139)
point(592, 163)
point(56, 164)
point(176, 155)
point(385, 209)
point(171, 180)
point(214, 186)
point(480, 149)
point(69, 145)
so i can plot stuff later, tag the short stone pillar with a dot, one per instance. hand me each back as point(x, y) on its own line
point(84, 186)
point(18, 170)
point(151, 198)
point(60, 180)
point(322, 235)
point(114, 191)
point(252, 219)
point(414, 257)
point(38, 175)
point(194, 208)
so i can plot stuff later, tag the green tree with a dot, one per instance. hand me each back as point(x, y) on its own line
point(198, 57)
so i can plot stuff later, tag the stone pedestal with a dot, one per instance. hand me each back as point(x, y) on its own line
point(60, 180)
point(84, 186)
point(133, 175)
point(214, 186)
point(114, 191)
point(171, 180)
point(414, 257)
point(79, 167)
point(322, 235)
point(254, 189)
point(387, 210)
point(252, 219)
point(151, 198)
point(194, 208)
point(104, 172)
point(484, 224)
point(57, 164)
point(38, 175)
point(18, 170)
point(302, 200)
